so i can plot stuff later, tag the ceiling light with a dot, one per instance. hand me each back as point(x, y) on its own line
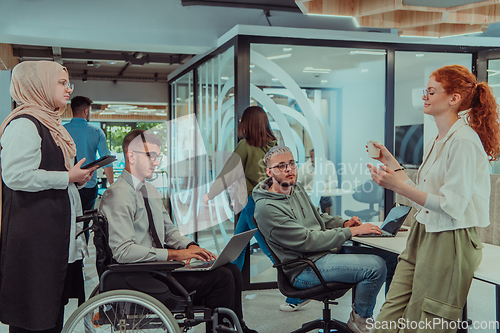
point(469, 33)
point(492, 72)
point(224, 78)
point(112, 62)
point(347, 16)
point(364, 70)
point(107, 112)
point(90, 63)
point(356, 23)
point(179, 99)
point(413, 36)
point(316, 70)
point(419, 55)
point(287, 49)
point(161, 114)
point(324, 81)
point(368, 52)
point(252, 66)
point(275, 79)
point(281, 56)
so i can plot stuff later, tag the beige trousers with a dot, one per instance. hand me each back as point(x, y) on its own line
point(431, 282)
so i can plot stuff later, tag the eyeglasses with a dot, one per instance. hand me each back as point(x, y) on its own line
point(283, 166)
point(426, 93)
point(152, 156)
point(67, 85)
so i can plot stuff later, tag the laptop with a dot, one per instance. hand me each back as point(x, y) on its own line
point(392, 222)
point(232, 250)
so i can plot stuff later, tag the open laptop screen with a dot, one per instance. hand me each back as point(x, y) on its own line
point(395, 219)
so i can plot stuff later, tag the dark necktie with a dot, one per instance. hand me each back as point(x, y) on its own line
point(152, 230)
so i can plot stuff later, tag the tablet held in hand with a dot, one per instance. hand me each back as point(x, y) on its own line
point(105, 160)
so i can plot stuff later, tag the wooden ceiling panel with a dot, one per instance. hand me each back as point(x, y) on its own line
point(426, 20)
point(400, 19)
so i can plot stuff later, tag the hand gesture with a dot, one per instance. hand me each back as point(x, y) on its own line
point(353, 222)
point(206, 199)
point(366, 228)
point(385, 177)
point(80, 176)
point(386, 157)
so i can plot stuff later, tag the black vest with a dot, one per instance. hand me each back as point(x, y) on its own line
point(34, 246)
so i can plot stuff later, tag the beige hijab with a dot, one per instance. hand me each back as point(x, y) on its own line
point(32, 87)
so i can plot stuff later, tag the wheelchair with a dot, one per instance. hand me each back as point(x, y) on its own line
point(140, 297)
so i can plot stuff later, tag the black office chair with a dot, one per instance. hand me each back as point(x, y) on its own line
point(327, 292)
point(371, 193)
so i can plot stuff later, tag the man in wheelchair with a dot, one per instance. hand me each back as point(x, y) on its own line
point(140, 229)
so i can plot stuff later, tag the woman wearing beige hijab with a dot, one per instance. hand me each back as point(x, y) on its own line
point(40, 257)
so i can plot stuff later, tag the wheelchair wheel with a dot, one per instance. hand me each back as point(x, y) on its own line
point(95, 291)
point(122, 311)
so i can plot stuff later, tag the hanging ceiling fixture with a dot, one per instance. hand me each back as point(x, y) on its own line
point(412, 17)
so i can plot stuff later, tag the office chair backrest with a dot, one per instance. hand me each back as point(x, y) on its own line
point(369, 192)
point(104, 256)
point(284, 284)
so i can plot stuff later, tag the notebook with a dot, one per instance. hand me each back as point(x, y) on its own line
point(232, 250)
point(392, 222)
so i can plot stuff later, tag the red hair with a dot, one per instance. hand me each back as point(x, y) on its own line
point(254, 127)
point(478, 99)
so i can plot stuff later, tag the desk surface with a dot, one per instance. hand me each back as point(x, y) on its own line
point(487, 271)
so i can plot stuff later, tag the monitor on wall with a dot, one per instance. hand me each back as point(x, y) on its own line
point(409, 144)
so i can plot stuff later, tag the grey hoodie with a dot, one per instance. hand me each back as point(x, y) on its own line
point(294, 228)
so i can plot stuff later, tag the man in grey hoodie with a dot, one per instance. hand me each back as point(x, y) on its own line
point(294, 228)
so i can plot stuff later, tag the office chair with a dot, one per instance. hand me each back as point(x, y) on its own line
point(368, 192)
point(327, 292)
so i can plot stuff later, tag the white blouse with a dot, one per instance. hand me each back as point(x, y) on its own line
point(456, 178)
point(21, 156)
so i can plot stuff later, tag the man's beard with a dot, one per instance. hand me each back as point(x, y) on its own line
point(285, 183)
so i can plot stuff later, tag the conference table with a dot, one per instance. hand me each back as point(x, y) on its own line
point(488, 271)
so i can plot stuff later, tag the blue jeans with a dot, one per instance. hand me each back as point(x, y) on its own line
point(364, 266)
point(245, 223)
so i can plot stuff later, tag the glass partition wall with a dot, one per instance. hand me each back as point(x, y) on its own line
point(202, 139)
point(494, 82)
point(413, 130)
point(331, 97)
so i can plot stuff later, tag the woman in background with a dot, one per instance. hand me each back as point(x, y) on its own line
point(257, 139)
point(451, 195)
point(40, 258)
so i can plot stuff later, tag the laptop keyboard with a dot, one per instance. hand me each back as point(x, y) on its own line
point(202, 264)
point(376, 235)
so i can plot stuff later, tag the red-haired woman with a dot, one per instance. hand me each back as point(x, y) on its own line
point(451, 194)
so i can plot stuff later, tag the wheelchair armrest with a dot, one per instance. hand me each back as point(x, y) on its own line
point(146, 266)
point(310, 263)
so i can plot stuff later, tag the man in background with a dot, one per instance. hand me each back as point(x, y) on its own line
point(89, 140)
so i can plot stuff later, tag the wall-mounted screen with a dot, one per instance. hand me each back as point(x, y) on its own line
point(409, 144)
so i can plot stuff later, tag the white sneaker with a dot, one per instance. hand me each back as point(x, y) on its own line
point(357, 324)
point(287, 307)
